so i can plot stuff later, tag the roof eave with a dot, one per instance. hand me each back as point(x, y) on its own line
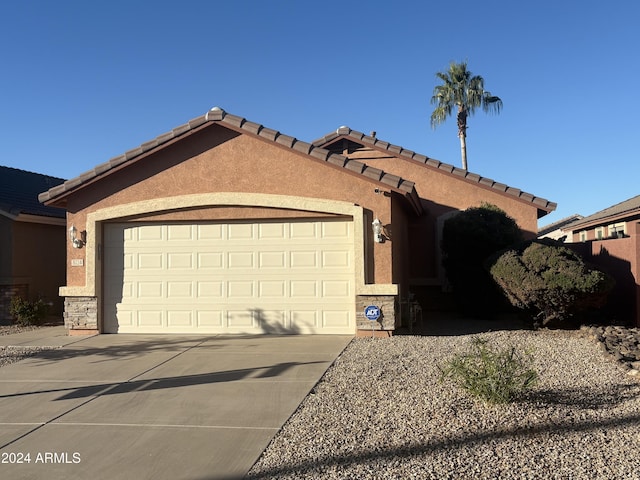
point(544, 206)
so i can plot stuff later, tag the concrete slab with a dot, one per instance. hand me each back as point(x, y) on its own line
point(86, 451)
point(127, 406)
point(40, 337)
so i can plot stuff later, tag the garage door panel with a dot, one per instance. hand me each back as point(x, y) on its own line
point(149, 318)
point(236, 277)
point(335, 319)
point(148, 233)
point(304, 289)
point(210, 290)
point(212, 260)
point(240, 260)
point(150, 261)
point(273, 289)
point(180, 261)
point(179, 318)
point(240, 319)
point(304, 260)
point(180, 290)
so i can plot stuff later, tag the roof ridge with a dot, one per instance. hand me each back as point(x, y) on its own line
point(241, 124)
point(611, 210)
point(31, 173)
point(398, 150)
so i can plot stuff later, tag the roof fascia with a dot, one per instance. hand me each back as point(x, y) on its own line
point(623, 216)
point(58, 194)
point(544, 206)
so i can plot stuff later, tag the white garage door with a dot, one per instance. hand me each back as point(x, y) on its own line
point(240, 277)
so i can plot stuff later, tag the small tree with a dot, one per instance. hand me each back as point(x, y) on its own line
point(549, 280)
point(468, 239)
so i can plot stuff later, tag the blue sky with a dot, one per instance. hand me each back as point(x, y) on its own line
point(83, 82)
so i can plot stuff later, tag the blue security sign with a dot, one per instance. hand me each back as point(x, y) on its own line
point(372, 313)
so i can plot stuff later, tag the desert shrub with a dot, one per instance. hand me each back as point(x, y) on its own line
point(496, 376)
point(467, 240)
point(27, 313)
point(550, 281)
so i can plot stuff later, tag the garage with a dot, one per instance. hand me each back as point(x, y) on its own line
point(245, 276)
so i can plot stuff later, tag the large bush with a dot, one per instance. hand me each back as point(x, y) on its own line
point(549, 280)
point(467, 240)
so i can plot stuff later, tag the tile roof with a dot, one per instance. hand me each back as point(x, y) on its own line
point(627, 207)
point(559, 224)
point(239, 124)
point(398, 151)
point(19, 191)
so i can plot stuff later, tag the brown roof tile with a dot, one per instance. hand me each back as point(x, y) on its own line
point(627, 207)
point(359, 137)
point(217, 115)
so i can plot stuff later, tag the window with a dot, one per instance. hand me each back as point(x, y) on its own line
point(600, 233)
point(617, 230)
point(583, 236)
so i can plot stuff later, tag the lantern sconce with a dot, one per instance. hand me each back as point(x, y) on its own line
point(77, 242)
point(376, 226)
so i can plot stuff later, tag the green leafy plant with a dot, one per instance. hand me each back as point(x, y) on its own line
point(28, 313)
point(496, 376)
point(468, 238)
point(550, 281)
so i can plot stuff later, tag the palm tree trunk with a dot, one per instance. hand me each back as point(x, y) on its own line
point(462, 133)
point(463, 150)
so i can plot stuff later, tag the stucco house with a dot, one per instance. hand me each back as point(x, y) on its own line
point(32, 241)
point(556, 230)
point(610, 239)
point(223, 225)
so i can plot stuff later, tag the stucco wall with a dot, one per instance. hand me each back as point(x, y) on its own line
point(442, 192)
point(39, 255)
point(215, 159)
point(620, 258)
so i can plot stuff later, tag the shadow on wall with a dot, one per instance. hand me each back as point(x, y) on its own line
point(273, 323)
point(621, 303)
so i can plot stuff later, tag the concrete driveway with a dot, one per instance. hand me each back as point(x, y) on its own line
point(157, 407)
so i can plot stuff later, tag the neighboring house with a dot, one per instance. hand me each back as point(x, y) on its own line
point(610, 239)
point(225, 226)
point(32, 241)
point(556, 230)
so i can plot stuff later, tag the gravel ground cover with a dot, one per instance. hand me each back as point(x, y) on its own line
point(382, 412)
point(12, 354)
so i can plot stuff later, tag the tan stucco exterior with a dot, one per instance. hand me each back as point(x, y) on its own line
point(233, 170)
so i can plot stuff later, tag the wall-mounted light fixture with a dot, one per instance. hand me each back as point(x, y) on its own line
point(376, 226)
point(76, 241)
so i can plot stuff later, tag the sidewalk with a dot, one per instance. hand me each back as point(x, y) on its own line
point(40, 337)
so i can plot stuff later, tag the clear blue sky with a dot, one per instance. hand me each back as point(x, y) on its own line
point(83, 82)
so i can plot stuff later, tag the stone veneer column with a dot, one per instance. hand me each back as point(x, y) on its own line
point(81, 315)
point(385, 325)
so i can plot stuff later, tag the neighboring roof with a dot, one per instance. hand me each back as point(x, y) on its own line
point(559, 224)
point(242, 125)
point(19, 191)
point(623, 209)
point(397, 151)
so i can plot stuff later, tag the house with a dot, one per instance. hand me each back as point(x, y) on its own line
point(610, 239)
point(556, 230)
point(225, 225)
point(32, 241)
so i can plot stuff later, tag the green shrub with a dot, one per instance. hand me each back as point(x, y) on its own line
point(496, 376)
point(467, 240)
point(28, 313)
point(550, 281)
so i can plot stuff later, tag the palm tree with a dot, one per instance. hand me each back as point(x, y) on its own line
point(464, 91)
